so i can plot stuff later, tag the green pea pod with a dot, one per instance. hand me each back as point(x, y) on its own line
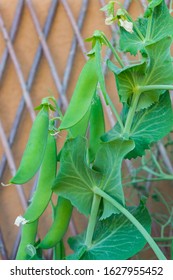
point(82, 96)
point(47, 175)
point(28, 236)
point(60, 224)
point(81, 127)
point(100, 74)
point(35, 149)
point(97, 127)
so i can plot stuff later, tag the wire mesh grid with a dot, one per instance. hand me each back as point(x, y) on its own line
point(75, 16)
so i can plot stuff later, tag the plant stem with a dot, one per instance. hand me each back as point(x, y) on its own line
point(152, 87)
point(114, 110)
point(59, 251)
point(157, 164)
point(108, 43)
point(146, 180)
point(92, 220)
point(147, 169)
point(102, 82)
point(163, 239)
point(131, 113)
point(149, 25)
point(134, 221)
point(163, 200)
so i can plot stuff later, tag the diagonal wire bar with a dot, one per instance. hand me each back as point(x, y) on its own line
point(29, 82)
point(75, 27)
point(73, 47)
point(3, 251)
point(144, 4)
point(12, 35)
point(17, 68)
point(47, 53)
point(165, 157)
point(11, 164)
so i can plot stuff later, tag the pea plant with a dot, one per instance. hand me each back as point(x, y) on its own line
point(86, 173)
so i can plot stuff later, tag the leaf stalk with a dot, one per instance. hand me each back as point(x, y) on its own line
point(134, 221)
point(92, 220)
point(131, 113)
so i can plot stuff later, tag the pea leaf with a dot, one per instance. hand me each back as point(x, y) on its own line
point(115, 238)
point(149, 126)
point(151, 6)
point(157, 70)
point(76, 180)
point(108, 162)
point(162, 26)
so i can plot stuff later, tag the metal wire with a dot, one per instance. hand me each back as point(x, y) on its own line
point(13, 31)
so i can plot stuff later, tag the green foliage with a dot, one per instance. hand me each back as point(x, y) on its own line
point(161, 27)
point(115, 238)
point(155, 70)
point(151, 6)
point(149, 126)
point(76, 180)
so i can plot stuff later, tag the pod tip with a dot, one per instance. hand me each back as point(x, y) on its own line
point(5, 185)
point(20, 220)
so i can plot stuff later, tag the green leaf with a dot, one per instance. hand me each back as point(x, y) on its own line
point(149, 126)
point(109, 8)
point(115, 238)
point(76, 180)
point(127, 79)
point(151, 6)
point(78, 255)
point(162, 26)
point(108, 162)
point(32, 253)
point(157, 70)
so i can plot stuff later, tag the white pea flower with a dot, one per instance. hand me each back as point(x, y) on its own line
point(109, 20)
point(127, 25)
point(20, 220)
